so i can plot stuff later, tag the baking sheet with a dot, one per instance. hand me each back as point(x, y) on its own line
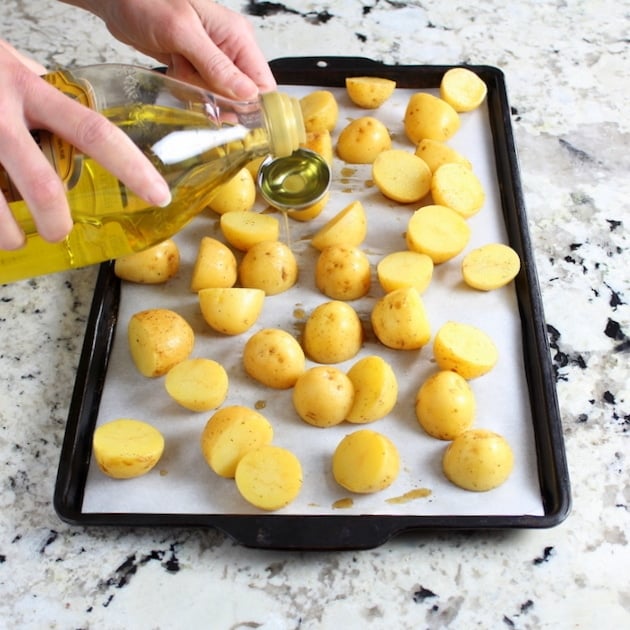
point(514, 399)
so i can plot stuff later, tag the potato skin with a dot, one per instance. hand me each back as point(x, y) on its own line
point(127, 448)
point(159, 339)
point(333, 333)
point(445, 405)
point(270, 266)
point(362, 140)
point(343, 273)
point(215, 265)
point(428, 116)
point(375, 390)
point(155, 265)
point(478, 460)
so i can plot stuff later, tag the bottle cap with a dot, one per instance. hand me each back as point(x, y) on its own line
point(294, 182)
point(285, 123)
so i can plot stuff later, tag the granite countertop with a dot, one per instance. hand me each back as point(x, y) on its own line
point(567, 67)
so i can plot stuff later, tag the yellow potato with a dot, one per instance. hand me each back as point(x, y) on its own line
point(343, 273)
point(401, 176)
point(436, 153)
point(158, 339)
point(404, 269)
point(428, 116)
point(400, 321)
point(243, 230)
point(369, 92)
point(238, 194)
point(464, 349)
point(438, 232)
point(229, 434)
point(375, 389)
point(319, 110)
point(274, 358)
point(490, 267)
point(126, 448)
point(348, 227)
point(231, 310)
point(362, 140)
point(253, 166)
point(333, 333)
point(310, 212)
point(457, 187)
point(462, 89)
point(197, 384)
point(270, 266)
point(269, 477)
point(478, 460)
point(215, 265)
point(155, 265)
point(445, 405)
point(323, 395)
point(365, 461)
point(321, 142)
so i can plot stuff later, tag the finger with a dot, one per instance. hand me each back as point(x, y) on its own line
point(94, 135)
point(39, 185)
point(11, 236)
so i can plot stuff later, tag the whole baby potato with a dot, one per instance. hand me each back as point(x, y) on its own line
point(127, 448)
point(362, 140)
point(365, 461)
point(478, 460)
point(332, 333)
point(274, 358)
point(428, 116)
point(197, 384)
point(400, 321)
point(229, 434)
point(231, 310)
point(215, 265)
point(270, 266)
point(323, 395)
point(155, 265)
point(375, 389)
point(158, 339)
point(445, 405)
point(238, 194)
point(343, 273)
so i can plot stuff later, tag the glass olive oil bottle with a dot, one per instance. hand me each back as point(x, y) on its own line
point(196, 139)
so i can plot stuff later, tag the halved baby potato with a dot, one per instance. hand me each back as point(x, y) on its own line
point(238, 194)
point(401, 175)
point(361, 140)
point(463, 89)
point(215, 265)
point(403, 269)
point(369, 92)
point(155, 265)
point(243, 230)
point(348, 227)
point(428, 116)
point(490, 266)
point(375, 389)
point(197, 384)
point(231, 310)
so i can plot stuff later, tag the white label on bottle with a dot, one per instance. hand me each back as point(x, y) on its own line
point(181, 145)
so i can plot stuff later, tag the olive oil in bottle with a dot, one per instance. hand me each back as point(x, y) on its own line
point(196, 139)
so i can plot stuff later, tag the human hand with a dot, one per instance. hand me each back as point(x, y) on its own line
point(27, 102)
point(200, 42)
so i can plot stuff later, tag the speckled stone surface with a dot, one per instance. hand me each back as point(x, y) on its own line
point(567, 66)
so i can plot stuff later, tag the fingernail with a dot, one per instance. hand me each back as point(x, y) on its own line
point(161, 195)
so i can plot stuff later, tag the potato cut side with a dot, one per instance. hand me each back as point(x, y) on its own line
point(321, 142)
point(232, 310)
point(197, 384)
point(401, 176)
point(436, 153)
point(463, 89)
point(269, 477)
point(365, 461)
point(243, 230)
point(319, 110)
point(405, 269)
point(428, 116)
point(238, 194)
point(229, 434)
point(464, 349)
point(127, 448)
point(457, 187)
point(375, 389)
point(490, 266)
point(369, 92)
point(348, 227)
point(158, 339)
point(438, 232)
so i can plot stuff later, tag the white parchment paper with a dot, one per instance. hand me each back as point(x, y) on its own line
point(183, 483)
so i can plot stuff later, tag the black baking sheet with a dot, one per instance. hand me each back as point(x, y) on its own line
point(340, 530)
